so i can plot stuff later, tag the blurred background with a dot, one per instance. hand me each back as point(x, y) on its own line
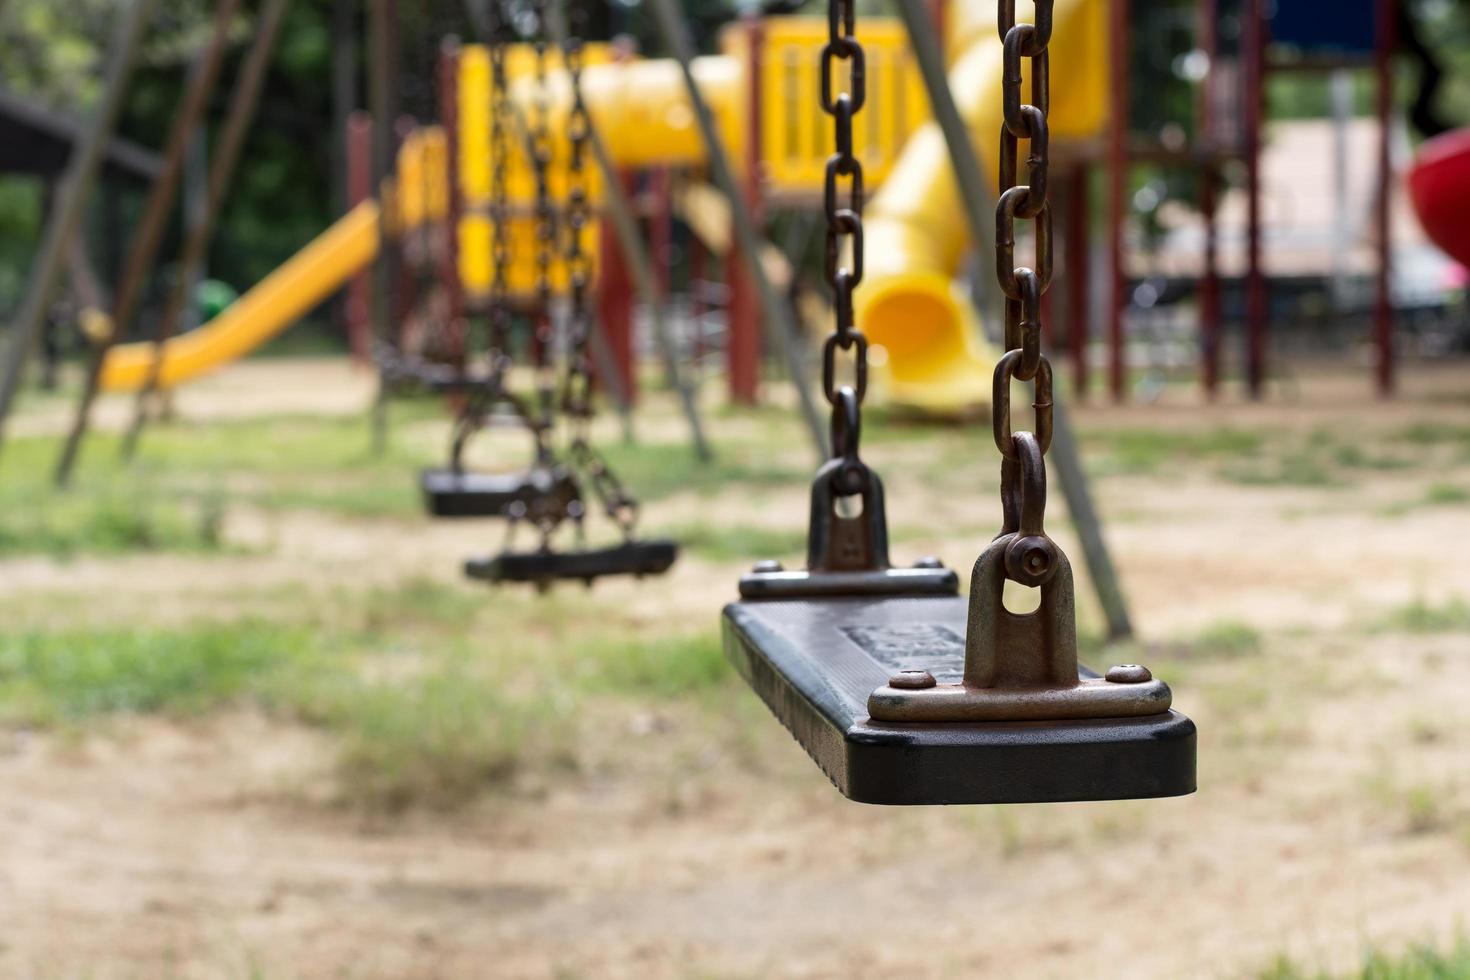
point(258, 259)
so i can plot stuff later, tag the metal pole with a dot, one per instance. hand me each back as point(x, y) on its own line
point(676, 37)
point(381, 89)
point(359, 189)
point(743, 331)
point(238, 119)
point(1117, 195)
point(1064, 445)
point(1208, 29)
point(1383, 319)
point(1078, 244)
point(148, 236)
point(71, 201)
point(1256, 302)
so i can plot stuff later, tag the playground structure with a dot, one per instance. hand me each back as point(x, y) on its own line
point(932, 350)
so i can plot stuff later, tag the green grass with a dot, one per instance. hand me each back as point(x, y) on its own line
point(1420, 616)
point(62, 677)
point(1420, 962)
point(738, 542)
point(1439, 494)
point(117, 516)
point(1226, 639)
point(436, 739)
point(1148, 450)
point(657, 666)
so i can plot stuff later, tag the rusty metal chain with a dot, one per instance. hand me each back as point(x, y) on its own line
point(842, 200)
point(618, 504)
point(499, 196)
point(1023, 473)
point(539, 148)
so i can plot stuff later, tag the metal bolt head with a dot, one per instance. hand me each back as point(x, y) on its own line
point(1129, 674)
point(912, 680)
point(929, 561)
point(769, 565)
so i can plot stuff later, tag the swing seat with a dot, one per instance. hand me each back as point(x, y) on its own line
point(450, 493)
point(546, 567)
point(816, 661)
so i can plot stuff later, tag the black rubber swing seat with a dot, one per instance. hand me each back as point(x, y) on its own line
point(463, 493)
point(904, 692)
point(815, 663)
point(545, 567)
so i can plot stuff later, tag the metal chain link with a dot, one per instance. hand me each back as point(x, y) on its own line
point(1030, 558)
point(619, 505)
point(539, 147)
point(842, 200)
point(1023, 286)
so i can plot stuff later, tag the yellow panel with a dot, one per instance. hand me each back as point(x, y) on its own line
point(797, 135)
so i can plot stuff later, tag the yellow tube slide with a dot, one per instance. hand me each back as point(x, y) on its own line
point(910, 304)
point(278, 301)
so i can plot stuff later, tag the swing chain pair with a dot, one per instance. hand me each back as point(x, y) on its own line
point(539, 149)
point(577, 391)
point(842, 199)
point(617, 503)
point(1023, 472)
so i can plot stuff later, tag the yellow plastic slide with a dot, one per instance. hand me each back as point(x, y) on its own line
point(909, 303)
point(276, 302)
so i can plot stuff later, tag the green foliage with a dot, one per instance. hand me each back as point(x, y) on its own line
point(72, 675)
point(1446, 493)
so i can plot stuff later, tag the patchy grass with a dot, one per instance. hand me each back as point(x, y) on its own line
point(437, 739)
point(1148, 450)
point(1421, 962)
point(1421, 616)
point(1225, 639)
point(1297, 469)
point(74, 675)
point(738, 542)
point(1440, 494)
point(658, 666)
point(655, 471)
point(108, 518)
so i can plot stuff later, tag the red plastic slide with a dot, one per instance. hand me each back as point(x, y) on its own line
point(1439, 184)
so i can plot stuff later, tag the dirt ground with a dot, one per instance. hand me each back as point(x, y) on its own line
point(1333, 811)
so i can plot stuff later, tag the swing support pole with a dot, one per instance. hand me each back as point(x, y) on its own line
point(675, 34)
point(76, 187)
point(978, 210)
point(148, 236)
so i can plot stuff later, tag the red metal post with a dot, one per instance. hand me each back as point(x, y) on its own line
point(448, 252)
point(406, 288)
point(1207, 28)
point(1383, 318)
point(359, 189)
point(1117, 194)
point(1256, 300)
point(615, 300)
point(744, 330)
point(661, 230)
point(1079, 275)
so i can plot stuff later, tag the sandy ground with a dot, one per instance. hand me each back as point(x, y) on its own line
point(675, 850)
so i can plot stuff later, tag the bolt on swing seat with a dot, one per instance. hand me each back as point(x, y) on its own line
point(905, 693)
